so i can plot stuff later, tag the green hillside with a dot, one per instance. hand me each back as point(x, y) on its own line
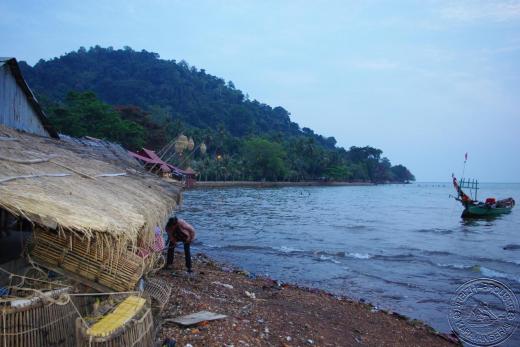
point(138, 99)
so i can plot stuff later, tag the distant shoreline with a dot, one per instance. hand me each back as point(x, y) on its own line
point(265, 184)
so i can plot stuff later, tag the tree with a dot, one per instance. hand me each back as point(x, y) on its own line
point(402, 174)
point(170, 97)
point(382, 171)
point(157, 134)
point(339, 173)
point(82, 114)
point(264, 159)
point(359, 154)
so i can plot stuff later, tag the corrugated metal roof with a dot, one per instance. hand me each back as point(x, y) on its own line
point(17, 73)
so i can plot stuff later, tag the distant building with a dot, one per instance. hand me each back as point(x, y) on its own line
point(19, 108)
point(153, 163)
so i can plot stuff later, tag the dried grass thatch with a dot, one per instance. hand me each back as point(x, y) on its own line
point(86, 187)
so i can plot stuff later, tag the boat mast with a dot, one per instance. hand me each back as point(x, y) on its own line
point(465, 160)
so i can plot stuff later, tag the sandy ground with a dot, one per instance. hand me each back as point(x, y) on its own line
point(263, 312)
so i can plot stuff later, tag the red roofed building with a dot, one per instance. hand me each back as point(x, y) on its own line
point(155, 164)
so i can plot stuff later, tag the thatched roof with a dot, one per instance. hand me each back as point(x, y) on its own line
point(63, 188)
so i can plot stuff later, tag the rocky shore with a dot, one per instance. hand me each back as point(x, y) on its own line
point(264, 312)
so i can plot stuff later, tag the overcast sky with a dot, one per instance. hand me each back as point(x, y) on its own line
point(425, 81)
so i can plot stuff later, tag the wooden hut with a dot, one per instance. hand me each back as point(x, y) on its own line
point(84, 214)
point(93, 210)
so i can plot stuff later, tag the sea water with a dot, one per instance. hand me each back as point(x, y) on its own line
point(400, 247)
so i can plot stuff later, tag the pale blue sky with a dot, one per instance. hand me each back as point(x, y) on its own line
point(425, 81)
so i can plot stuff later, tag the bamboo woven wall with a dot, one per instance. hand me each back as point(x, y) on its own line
point(96, 262)
point(137, 333)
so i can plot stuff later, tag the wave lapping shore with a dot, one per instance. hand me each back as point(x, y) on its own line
point(265, 312)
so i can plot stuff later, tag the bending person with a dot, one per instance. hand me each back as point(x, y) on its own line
point(179, 230)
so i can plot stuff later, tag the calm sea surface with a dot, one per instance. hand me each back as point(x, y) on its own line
point(400, 247)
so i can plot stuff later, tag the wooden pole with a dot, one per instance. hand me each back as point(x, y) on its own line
point(3, 223)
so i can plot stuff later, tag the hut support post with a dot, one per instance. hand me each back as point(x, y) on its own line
point(3, 221)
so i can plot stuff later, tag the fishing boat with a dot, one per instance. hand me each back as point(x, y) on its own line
point(474, 208)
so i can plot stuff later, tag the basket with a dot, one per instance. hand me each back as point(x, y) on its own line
point(159, 291)
point(115, 270)
point(38, 321)
point(137, 331)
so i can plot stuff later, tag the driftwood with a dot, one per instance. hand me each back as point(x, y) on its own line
point(3, 138)
point(12, 178)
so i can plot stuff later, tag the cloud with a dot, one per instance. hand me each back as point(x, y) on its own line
point(476, 10)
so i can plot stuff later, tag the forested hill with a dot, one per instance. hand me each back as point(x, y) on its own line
point(153, 100)
point(124, 77)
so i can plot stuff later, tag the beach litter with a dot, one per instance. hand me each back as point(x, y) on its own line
point(225, 285)
point(247, 309)
point(4, 291)
point(168, 342)
point(195, 318)
point(250, 295)
point(185, 291)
